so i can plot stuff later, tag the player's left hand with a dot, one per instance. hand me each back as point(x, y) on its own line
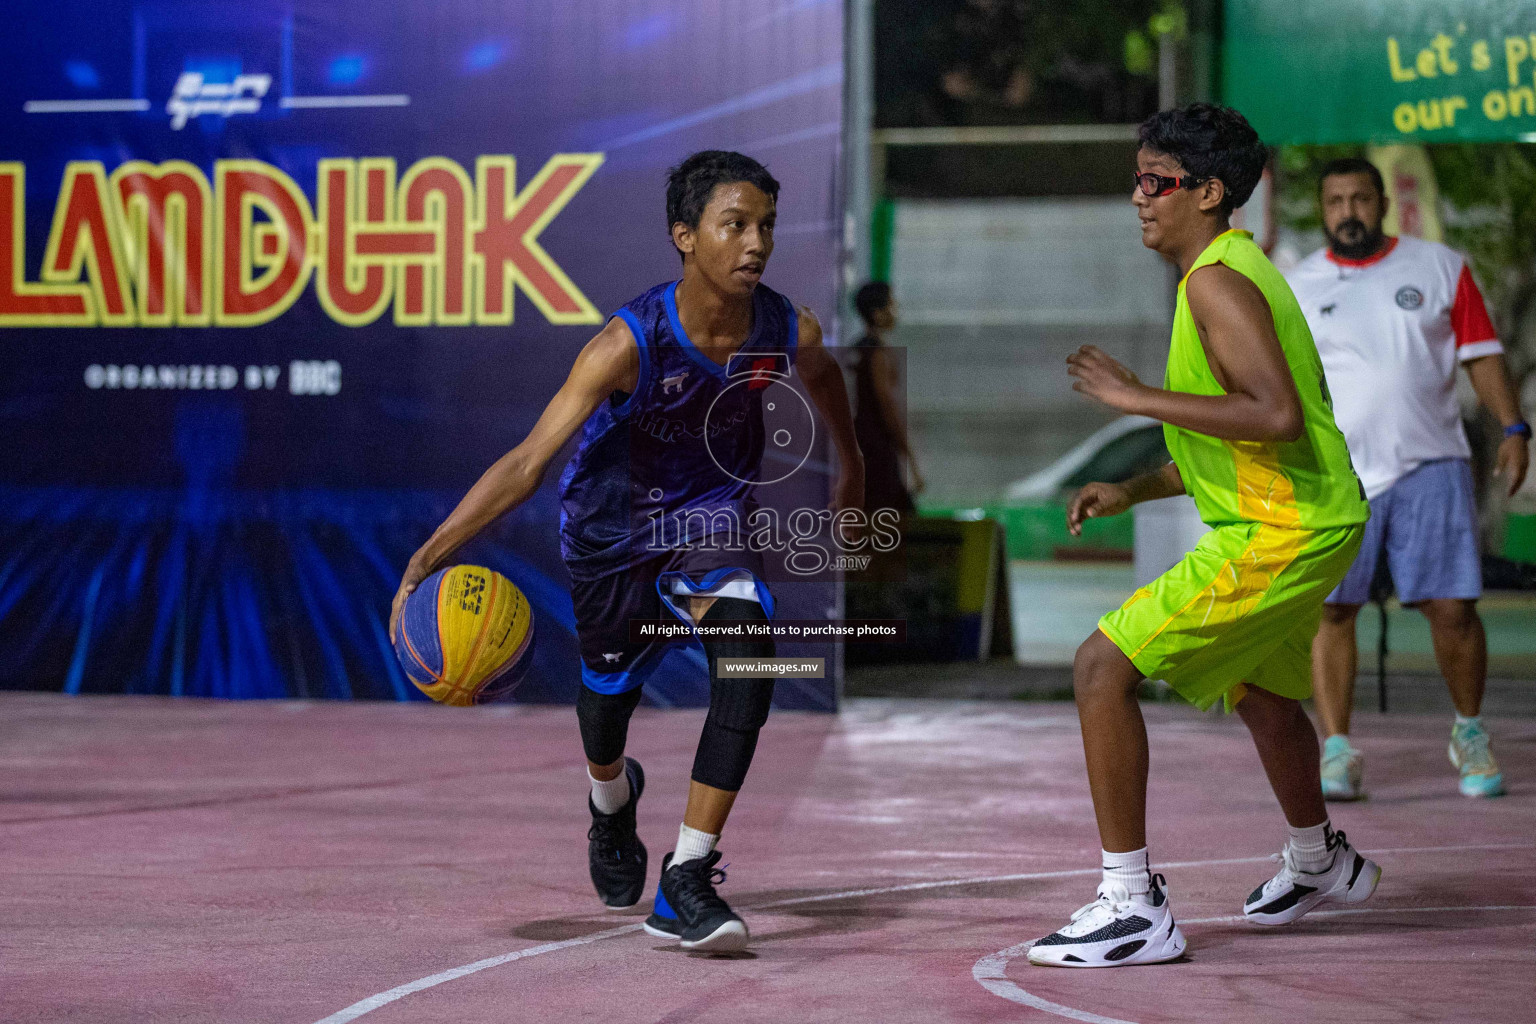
point(414, 574)
point(1103, 378)
point(1514, 459)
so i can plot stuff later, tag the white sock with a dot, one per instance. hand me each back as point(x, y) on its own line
point(1462, 721)
point(609, 796)
point(693, 844)
point(1129, 870)
point(1310, 845)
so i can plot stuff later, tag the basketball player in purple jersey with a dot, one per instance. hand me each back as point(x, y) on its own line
point(666, 436)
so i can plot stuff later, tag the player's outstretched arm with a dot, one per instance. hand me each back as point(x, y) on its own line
point(610, 362)
point(824, 383)
point(1097, 500)
point(1238, 332)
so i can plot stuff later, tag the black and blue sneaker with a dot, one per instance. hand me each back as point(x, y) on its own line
point(688, 908)
point(615, 854)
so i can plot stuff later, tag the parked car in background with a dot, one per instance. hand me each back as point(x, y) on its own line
point(1112, 454)
point(1033, 510)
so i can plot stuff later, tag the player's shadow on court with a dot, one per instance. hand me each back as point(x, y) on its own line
point(701, 954)
point(843, 920)
point(558, 929)
point(819, 920)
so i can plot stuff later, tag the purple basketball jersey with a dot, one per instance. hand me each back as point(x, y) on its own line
point(690, 438)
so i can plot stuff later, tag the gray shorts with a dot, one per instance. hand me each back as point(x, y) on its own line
point(1426, 525)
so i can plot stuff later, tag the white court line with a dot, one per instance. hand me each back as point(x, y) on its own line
point(991, 974)
point(946, 883)
point(373, 1002)
point(990, 971)
point(361, 1007)
point(1239, 918)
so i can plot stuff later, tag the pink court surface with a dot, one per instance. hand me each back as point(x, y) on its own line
point(178, 860)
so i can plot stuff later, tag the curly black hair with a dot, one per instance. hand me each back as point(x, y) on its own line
point(692, 182)
point(1211, 141)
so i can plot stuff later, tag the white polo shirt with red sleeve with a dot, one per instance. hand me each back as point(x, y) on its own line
point(1391, 331)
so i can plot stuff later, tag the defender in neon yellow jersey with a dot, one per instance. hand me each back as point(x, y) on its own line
point(1250, 427)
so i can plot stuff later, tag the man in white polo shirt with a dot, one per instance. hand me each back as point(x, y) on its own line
point(1393, 317)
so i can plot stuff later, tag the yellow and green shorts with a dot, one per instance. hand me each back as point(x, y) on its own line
point(1242, 607)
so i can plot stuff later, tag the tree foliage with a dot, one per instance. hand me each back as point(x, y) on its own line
point(950, 62)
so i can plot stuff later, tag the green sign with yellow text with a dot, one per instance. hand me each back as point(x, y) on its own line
point(1423, 71)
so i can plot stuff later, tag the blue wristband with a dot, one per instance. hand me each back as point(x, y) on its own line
point(1521, 429)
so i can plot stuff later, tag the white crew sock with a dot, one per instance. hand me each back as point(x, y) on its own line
point(1462, 721)
point(609, 796)
point(1310, 845)
point(1128, 869)
point(693, 844)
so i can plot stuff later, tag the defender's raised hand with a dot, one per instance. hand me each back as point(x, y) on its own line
point(1094, 501)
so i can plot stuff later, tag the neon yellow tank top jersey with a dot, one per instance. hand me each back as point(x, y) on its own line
point(1308, 483)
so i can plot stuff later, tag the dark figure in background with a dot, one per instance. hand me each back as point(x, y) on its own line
point(878, 420)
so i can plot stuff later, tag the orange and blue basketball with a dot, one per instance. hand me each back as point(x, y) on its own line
point(466, 636)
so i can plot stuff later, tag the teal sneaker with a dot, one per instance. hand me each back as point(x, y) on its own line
point(1472, 754)
point(1343, 769)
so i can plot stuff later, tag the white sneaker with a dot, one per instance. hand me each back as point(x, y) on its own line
point(1115, 930)
point(1472, 755)
point(1292, 892)
point(1343, 770)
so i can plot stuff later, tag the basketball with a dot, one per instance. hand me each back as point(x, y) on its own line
point(466, 636)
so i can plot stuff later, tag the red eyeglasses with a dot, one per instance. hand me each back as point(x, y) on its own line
point(1158, 185)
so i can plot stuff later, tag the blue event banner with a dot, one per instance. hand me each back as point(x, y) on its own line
point(279, 280)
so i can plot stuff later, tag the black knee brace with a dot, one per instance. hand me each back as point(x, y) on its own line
point(737, 707)
point(604, 720)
